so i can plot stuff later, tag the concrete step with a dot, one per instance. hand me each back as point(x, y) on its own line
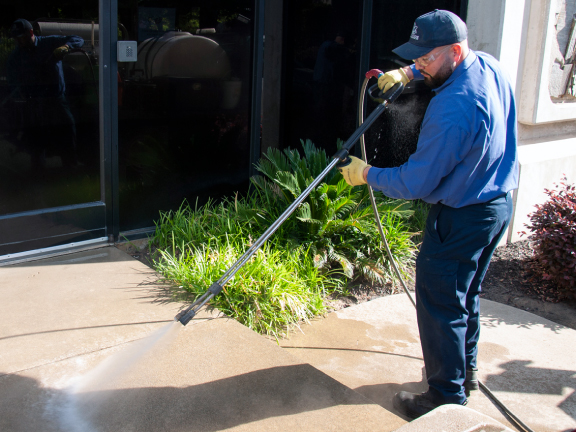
point(454, 418)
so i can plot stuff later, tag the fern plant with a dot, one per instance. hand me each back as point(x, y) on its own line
point(333, 233)
point(335, 220)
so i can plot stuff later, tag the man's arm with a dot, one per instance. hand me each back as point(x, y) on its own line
point(404, 75)
point(53, 42)
point(440, 149)
point(74, 42)
point(61, 45)
point(413, 73)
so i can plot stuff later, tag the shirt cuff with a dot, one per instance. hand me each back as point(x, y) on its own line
point(372, 178)
point(417, 75)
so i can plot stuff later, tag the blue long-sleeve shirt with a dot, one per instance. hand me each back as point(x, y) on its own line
point(36, 70)
point(466, 151)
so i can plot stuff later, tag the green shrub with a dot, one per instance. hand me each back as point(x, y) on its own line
point(336, 220)
point(332, 234)
point(272, 292)
point(418, 219)
point(553, 227)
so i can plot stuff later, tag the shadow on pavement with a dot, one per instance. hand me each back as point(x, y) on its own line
point(502, 314)
point(519, 377)
point(211, 406)
point(384, 393)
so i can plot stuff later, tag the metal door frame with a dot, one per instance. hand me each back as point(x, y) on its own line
point(100, 219)
point(108, 96)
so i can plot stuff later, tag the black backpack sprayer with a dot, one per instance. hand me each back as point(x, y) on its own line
point(341, 158)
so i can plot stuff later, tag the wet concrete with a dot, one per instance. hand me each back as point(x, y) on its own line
point(88, 343)
point(374, 348)
point(77, 353)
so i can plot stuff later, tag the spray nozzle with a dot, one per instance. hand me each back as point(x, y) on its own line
point(185, 316)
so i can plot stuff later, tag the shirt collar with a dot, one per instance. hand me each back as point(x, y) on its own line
point(462, 67)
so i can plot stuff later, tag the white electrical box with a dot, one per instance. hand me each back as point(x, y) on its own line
point(127, 51)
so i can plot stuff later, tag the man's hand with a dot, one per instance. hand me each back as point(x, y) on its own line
point(386, 81)
point(353, 173)
point(60, 52)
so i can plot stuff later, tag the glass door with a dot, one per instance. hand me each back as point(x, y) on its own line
point(50, 181)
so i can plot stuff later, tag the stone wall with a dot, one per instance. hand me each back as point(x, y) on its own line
point(529, 37)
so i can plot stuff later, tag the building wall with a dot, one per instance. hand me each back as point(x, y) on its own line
point(529, 37)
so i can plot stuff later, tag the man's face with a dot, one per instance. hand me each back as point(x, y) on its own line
point(436, 66)
point(26, 40)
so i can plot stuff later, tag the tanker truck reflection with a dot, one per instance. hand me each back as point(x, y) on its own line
point(184, 100)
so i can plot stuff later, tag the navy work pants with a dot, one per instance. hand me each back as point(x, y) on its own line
point(457, 247)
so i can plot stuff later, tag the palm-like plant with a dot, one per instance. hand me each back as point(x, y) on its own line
point(336, 219)
point(332, 232)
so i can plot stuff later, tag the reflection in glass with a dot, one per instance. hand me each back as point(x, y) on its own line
point(49, 147)
point(184, 106)
point(322, 45)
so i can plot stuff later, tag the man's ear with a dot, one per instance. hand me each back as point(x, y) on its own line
point(457, 50)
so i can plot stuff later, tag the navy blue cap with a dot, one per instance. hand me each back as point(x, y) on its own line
point(432, 30)
point(19, 27)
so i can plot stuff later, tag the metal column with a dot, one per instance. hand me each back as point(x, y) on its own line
point(108, 97)
point(257, 65)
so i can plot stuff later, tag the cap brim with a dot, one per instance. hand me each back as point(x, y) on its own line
point(409, 51)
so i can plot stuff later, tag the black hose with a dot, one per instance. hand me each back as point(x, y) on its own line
point(373, 200)
point(91, 67)
point(521, 426)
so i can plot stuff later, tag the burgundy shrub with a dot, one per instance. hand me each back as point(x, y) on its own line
point(553, 229)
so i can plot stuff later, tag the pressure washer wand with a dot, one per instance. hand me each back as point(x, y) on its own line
point(341, 156)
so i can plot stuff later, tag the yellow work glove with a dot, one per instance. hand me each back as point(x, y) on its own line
point(60, 52)
point(386, 81)
point(353, 172)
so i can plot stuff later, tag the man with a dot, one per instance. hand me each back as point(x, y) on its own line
point(465, 165)
point(35, 70)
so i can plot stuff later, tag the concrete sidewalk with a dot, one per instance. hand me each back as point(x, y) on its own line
point(527, 361)
point(62, 317)
point(87, 343)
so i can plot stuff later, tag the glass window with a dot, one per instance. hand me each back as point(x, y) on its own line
point(49, 143)
point(394, 135)
point(322, 46)
point(184, 105)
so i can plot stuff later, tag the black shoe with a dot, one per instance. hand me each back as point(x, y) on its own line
point(413, 405)
point(471, 381)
